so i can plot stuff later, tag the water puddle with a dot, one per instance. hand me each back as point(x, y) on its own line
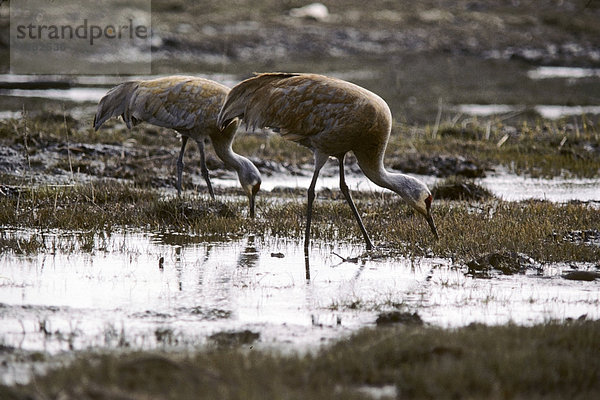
point(507, 186)
point(485, 110)
point(545, 111)
point(77, 94)
point(513, 187)
point(77, 89)
point(110, 291)
point(563, 72)
point(89, 89)
point(556, 112)
point(95, 80)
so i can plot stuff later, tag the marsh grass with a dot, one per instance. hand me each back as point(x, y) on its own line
point(540, 149)
point(550, 360)
point(533, 227)
point(467, 229)
point(539, 229)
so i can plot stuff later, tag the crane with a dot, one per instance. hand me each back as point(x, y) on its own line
point(190, 106)
point(331, 117)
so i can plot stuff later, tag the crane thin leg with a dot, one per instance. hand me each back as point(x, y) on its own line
point(320, 160)
point(184, 140)
point(203, 168)
point(346, 193)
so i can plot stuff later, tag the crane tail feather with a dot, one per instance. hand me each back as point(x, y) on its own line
point(115, 103)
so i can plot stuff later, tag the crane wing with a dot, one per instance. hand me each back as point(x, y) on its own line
point(181, 103)
point(297, 105)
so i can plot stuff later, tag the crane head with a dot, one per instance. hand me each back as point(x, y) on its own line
point(250, 180)
point(416, 193)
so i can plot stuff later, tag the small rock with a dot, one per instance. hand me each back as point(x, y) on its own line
point(315, 11)
point(278, 255)
point(508, 263)
point(398, 317)
point(235, 338)
point(587, 276)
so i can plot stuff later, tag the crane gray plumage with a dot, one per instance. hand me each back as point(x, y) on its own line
point(331, 117)
point(189, 105)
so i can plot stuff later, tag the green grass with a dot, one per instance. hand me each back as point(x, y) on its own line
point(550, 360)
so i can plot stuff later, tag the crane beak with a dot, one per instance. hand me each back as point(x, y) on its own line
point(252, 205)
point(429, 219)
point(428, 216)
point(252, 198)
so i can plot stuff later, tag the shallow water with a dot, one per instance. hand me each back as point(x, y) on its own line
point(502, 184)
point(79, 95)
point(109, 292)
point(513, 187)
point(548, 72)
point(546, 111)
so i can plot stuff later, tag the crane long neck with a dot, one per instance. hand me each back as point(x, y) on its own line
point(373, 168)
point(222, 142)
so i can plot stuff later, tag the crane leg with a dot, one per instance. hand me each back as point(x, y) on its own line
point(203, 168)
point(346, 193)
point(184, 140)
point(320, 160)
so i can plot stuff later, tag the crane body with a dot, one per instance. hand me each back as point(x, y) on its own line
point(190, 106)
point(331, 117)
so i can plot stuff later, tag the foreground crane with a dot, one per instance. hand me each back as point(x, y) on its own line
point(331, 117)
point(190, 106)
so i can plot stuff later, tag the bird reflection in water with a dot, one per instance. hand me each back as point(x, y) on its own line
point(250, 256)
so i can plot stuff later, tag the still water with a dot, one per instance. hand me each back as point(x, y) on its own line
point(87, 291)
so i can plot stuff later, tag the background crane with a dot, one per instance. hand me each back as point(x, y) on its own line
point(189, 105)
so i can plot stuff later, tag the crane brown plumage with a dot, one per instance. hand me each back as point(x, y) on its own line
point(190, 106)
point(331, 117)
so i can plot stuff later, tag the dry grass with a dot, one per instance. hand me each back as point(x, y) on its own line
point(544, 361)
